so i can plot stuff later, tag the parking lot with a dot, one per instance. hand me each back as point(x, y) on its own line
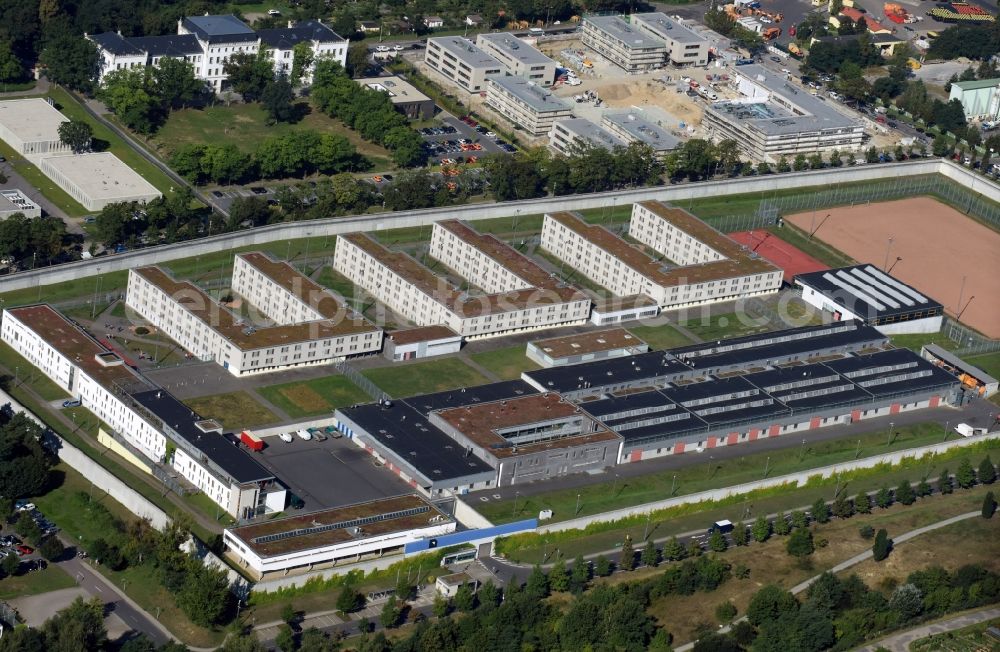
point(448, 145)
point(11, 544)
point(329, 473)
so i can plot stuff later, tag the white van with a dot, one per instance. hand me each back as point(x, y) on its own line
point(304, 434)
point(285, 437)
point(536, 31)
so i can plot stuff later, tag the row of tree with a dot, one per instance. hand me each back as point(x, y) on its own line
point(367, 111)
point(143, 97)
point(41, 240)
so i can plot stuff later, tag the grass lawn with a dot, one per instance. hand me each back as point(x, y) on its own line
point(314, 397)
point(917, 340)
point(235, 410)
point(968, 639)
point(989, 362)
point(27, 374)
point(769, 562)
point(402, 380)
point(245, 125)
point(719, 327)
point(340, 284)
point(116, 145)
point(207, 506)
point(52, 578)
point(660, 337)
point(506, 363)
point(79, 287)
point(705, 475)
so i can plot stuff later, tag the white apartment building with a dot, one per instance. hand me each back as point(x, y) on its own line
point(139, 412)
point(525, 104)
point(462, 62)
point(210, 331)
point(632, 127)
point(697, 264)
point(520, 301)
point(571, 136)
point(519, 58)
point(775, 118)
point(207, 42)
point(628, 47)
point(685, 47)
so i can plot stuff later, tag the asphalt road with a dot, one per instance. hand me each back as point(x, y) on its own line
point(901, 642)
point(977, 414)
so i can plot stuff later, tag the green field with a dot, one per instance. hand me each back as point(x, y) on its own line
point(314, 397)
point(705, 475)
point(27, 374)
point(506, 363)
point(52, 578)
point(917, 341)
point(989, 362)
point(718, 327)
point(235, 410)
point(660, 337)
point(45, 185)
point(402, 380)
point(245, 126)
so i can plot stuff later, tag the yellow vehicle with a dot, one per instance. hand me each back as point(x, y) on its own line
point(914, 64)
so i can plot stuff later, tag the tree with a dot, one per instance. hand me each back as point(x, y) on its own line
point(204, 597)
point(390, 613)
point(285, 640)
point(277, 98)
point(24, 461)
point(627, 559)
point(883, 498)
point(79, 626)
point(441, 606)
point(129, 94)
point(989, 505)
point(965, 477)
point(77, 134)
point(842, 507)
point(741, 535)
point(923, 488)
point(763, 168)
point(882, 545)
point(538, 583)
point(579, 575)
point(717, 542)
point(602, 567)
point(10, 565)
point(174, 83)
point(781, 525)
point(72, 61)
point(761, 529)
point(51, 548)
point(783, 165)
point(10, 66)
point(349, 600)
point(941, 146)
point(799, 519)
point(650, 555)
point(559, 577)
point(673, 550)
point(987, 472)
point(725, 612)
point(302, 60)
point(944, 482)
point(142, 643)
point(800, 543)
point(820, 511)
point(904, 493)
point(357, 59)
point(465, 599)
point(871, 155)
point(249, 73)
point(769, 604)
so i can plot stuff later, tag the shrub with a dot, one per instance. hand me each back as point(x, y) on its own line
point(800, 543)
point(989, 505)
point(725, 612)
point(882, 545)
point(866, 532)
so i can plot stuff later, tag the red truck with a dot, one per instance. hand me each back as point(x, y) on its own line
point(252, 441)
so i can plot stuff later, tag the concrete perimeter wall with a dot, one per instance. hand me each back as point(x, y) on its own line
point(735, 490)
point(98, 475)
point(340, 225)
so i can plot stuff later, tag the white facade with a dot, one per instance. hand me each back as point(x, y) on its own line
point(46, 339)
point(518, 57)
point(525, 104)
point(462, 62)
point(97, 179)
point(14, 201)
point(685, 47)
point(622, 44)
point(31, 127)
point(927, 325)
point(211, 332)
point(696, 271)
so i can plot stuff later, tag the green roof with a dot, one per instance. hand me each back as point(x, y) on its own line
point(976, 85)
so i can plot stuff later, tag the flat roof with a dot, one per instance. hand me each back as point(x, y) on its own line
point(629, 36)
point(977, 84)
point(643, 131)
point(633, 301)
point(224, 28)
point(353, 523)
point(427, 403)
point(466, 51)
point(480, 422)
point(589, 342)
point(31, 119)
point(587, 130)
point(665, 27)
point(515, 48)
point(958, 363)
point(406, 432)
point(398, 89)
point(893, 372)
point(226, 454)
point(299, 285)
point(421, 334)
point(869, 292)
point(737, 260)
point(71, 341)
point(102, 175)
point(463, 304)
point(612, 371)
point(537, 97)
point(13, 199)
point(809, 113)
point(247, 338)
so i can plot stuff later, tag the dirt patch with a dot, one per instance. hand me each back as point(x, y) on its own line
point(305, 397)
point(941, 251)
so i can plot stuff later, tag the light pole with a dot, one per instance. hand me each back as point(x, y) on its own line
point(891, 424)
point(97, 286)
point(645, 531)
point(858, 450)
point(885, 265)
point(802, 450)
point(947, 430)
point(577, 505)
point(767, 464)
point(673, 485)
point(516, 494)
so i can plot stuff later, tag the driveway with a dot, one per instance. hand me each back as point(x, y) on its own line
point(901, 642)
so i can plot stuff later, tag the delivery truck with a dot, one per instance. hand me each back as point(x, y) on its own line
point(252, 441)
point(966, 430)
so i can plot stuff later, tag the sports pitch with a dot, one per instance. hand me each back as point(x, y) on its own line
point(938, 247)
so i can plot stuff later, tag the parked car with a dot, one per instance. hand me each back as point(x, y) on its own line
point(72, 402)
point(382, 48)
point(304, 435)
point(24, 550)
point(23, 506)
point(286, 437)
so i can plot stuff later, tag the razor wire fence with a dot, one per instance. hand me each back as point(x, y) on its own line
point(968, 341)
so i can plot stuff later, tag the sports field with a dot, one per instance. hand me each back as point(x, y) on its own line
point(938, 248)
point(770, 247)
